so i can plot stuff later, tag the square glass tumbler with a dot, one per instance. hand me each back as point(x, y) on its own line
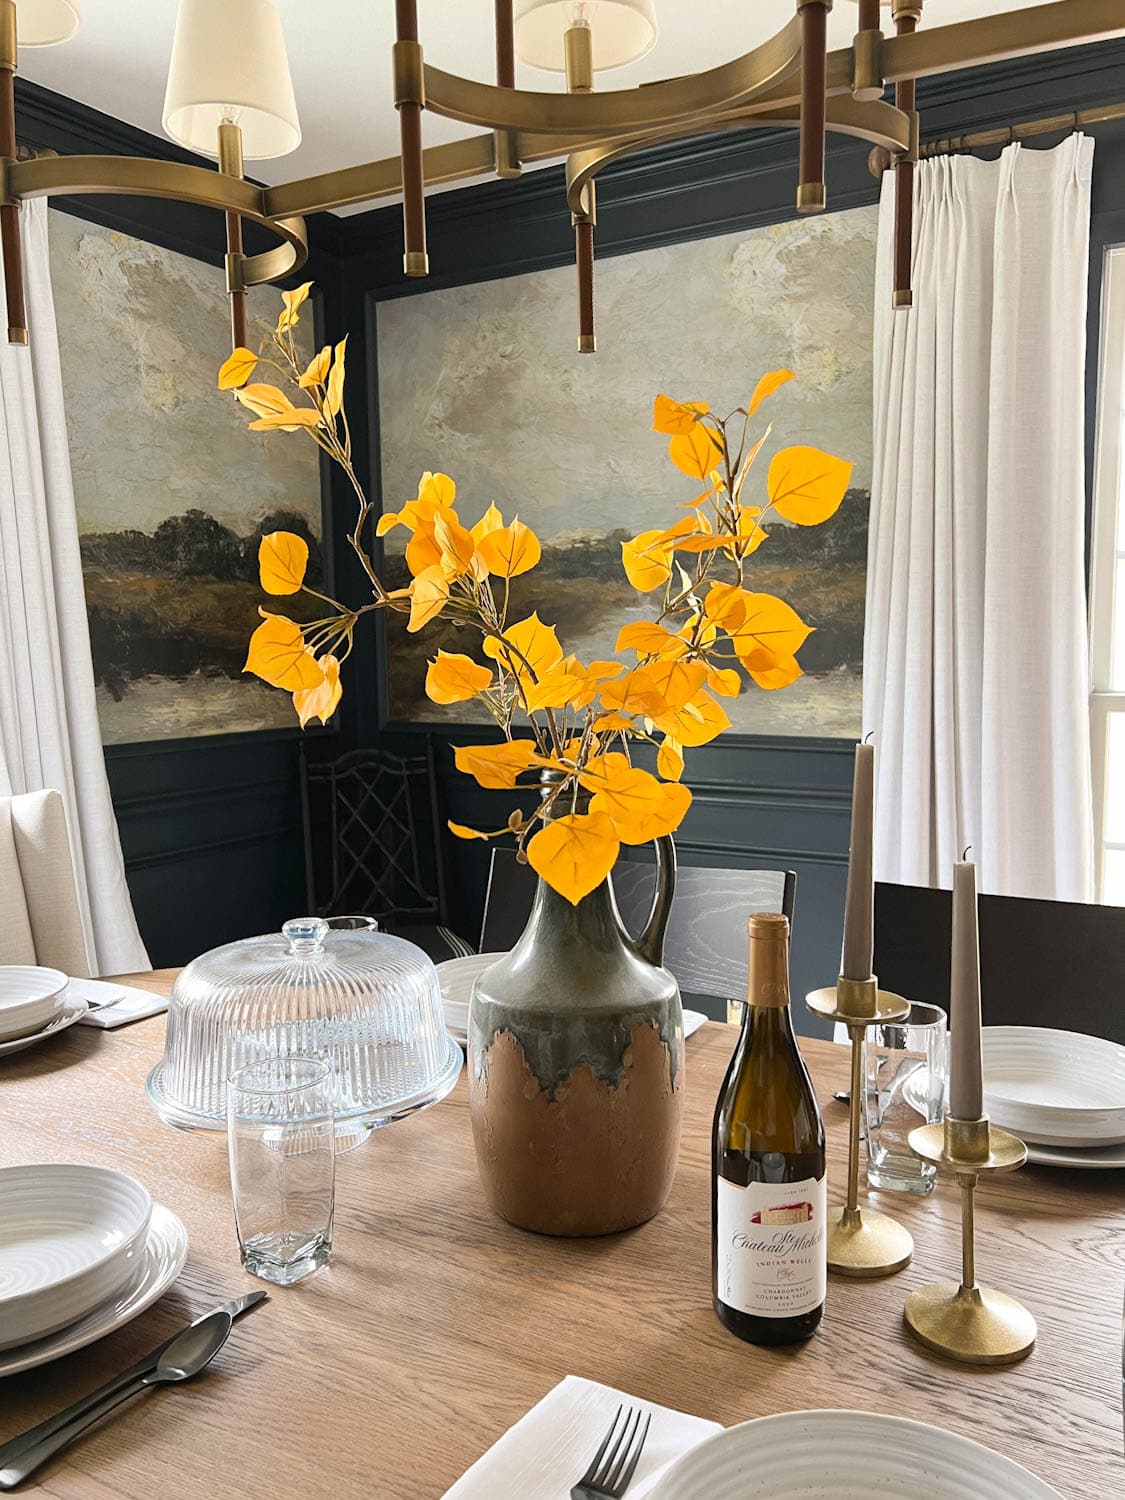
point(907, 1067)
point(281, 1139)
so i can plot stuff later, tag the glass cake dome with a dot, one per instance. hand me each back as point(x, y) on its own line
point(367, 1001)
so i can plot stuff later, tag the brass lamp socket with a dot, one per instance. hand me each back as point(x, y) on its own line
point(230, 149)
point(867, 65)
point(578, 43)
point(8, 40)
point(409, 74)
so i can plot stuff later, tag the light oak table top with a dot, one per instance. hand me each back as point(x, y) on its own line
point(437, 1326)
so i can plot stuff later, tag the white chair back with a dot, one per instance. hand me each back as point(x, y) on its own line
point(40, 919)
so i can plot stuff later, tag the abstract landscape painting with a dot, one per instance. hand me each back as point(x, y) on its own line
point(172, 491)
point(484, 382)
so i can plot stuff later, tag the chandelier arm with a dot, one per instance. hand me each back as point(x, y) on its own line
point(507, 163)
point(230, 163)
point(1001, 37)
point(139, 176)
point(451, 162)
point(813, 15)
point(621, 111)
point(869, 120)
point(9, 212)
point(410, 99)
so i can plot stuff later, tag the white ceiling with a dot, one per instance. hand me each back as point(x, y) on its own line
point(339, 52)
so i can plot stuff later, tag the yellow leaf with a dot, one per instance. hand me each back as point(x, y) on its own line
point(566, 684)
point(784, 671)
point(613, 721)
point(423, 550)
point(322, 701)
point(287, 421)
point(455, 545)
point(695, 452)
point(646, 560)
point(510, 550)
point(388, 521)
point(292, 302)
point(670, 759)
point(334, 398)
point(491, 521)
point(496, 766)
point(264, 400)
point(751, 454)
point(674, 418)
point(453, 678)
point(647, 638)
point(696, 723)
point(278, 655)
point(316, 370)
point(806, 486)
point(725, 605)
point(725, 681)
point(536, 643)
point(436, 490)
point(237, 370)
point(428, 595)
point(640, 814)
point(282, 560)
point(469, 833)
point(574, 854)
point(769, 630)
point(766, 387)
point(620, 790)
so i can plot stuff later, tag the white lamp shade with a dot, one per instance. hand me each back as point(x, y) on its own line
point(229, 63)
point(42, 23)
point(621, 31)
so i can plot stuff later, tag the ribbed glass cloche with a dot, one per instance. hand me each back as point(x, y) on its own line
point(367, 1001)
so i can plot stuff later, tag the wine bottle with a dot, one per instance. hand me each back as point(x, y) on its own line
point(768, 1240)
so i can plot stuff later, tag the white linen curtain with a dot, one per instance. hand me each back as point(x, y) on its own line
point(49, 735)
point(975, 675)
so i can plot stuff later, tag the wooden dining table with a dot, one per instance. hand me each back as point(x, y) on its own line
point(436, 1325)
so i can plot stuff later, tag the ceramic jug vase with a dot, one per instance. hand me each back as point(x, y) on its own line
point(576, 1054)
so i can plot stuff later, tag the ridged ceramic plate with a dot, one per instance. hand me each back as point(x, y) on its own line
point(162, 1260)
point(66, 1015)
point(1057, 1088)
point(71, 1238)
point(29, 996)
point(845, 1455)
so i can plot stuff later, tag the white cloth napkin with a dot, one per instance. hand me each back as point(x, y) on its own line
point(134, 1006)
point(693, 1020)
point(550, 1448)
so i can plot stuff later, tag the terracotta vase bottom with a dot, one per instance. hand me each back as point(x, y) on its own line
point(592, 1156)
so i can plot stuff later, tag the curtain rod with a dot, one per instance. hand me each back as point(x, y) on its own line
point(1004, 135)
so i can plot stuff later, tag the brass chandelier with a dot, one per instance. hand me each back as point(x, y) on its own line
point(230, 96)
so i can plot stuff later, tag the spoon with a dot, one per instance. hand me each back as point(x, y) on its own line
point(184, 1357)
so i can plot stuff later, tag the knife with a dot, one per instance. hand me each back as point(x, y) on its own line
point(15, 1446)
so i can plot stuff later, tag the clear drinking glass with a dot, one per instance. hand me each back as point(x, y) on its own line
point(281, 1139)
point(907, 1068)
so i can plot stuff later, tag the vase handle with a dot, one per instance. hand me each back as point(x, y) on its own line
point(650, 944)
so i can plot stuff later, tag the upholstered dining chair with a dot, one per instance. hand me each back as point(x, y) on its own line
point(705, 947)
point(40, 919)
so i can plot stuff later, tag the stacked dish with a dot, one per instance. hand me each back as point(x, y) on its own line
point(82, 1250)
point(1058, 1090)
point(34, 1004)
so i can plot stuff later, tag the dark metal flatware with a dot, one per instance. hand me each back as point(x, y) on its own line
point(24, 1440)
point(611, 1470)
point(189, 1353)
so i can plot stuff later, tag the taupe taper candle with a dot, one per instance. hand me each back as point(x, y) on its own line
point(966, 1087)
point(859, 907)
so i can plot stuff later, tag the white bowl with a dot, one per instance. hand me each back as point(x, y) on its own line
point(29, 997)
point(811, 1455)
point(1058, 1088)
point(71, 1238)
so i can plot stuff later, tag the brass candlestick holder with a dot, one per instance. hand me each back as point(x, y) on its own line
point(861, 1242)
point(968, 1322)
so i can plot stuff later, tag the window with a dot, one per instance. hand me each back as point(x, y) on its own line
point(1107, 592)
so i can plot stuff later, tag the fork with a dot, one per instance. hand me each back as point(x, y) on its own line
point(611, 1472)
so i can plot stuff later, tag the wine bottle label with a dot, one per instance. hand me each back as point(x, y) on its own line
point(771, 1246)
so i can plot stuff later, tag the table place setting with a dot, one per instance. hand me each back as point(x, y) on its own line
point(35, 1004)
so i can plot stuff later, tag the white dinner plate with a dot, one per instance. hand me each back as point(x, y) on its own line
point(66, 1015)
point(1057, 1088)
point(29, 996)
point(70, 1239)
point(1107, 1159)
point(162, 1260)
point(845, 1455)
